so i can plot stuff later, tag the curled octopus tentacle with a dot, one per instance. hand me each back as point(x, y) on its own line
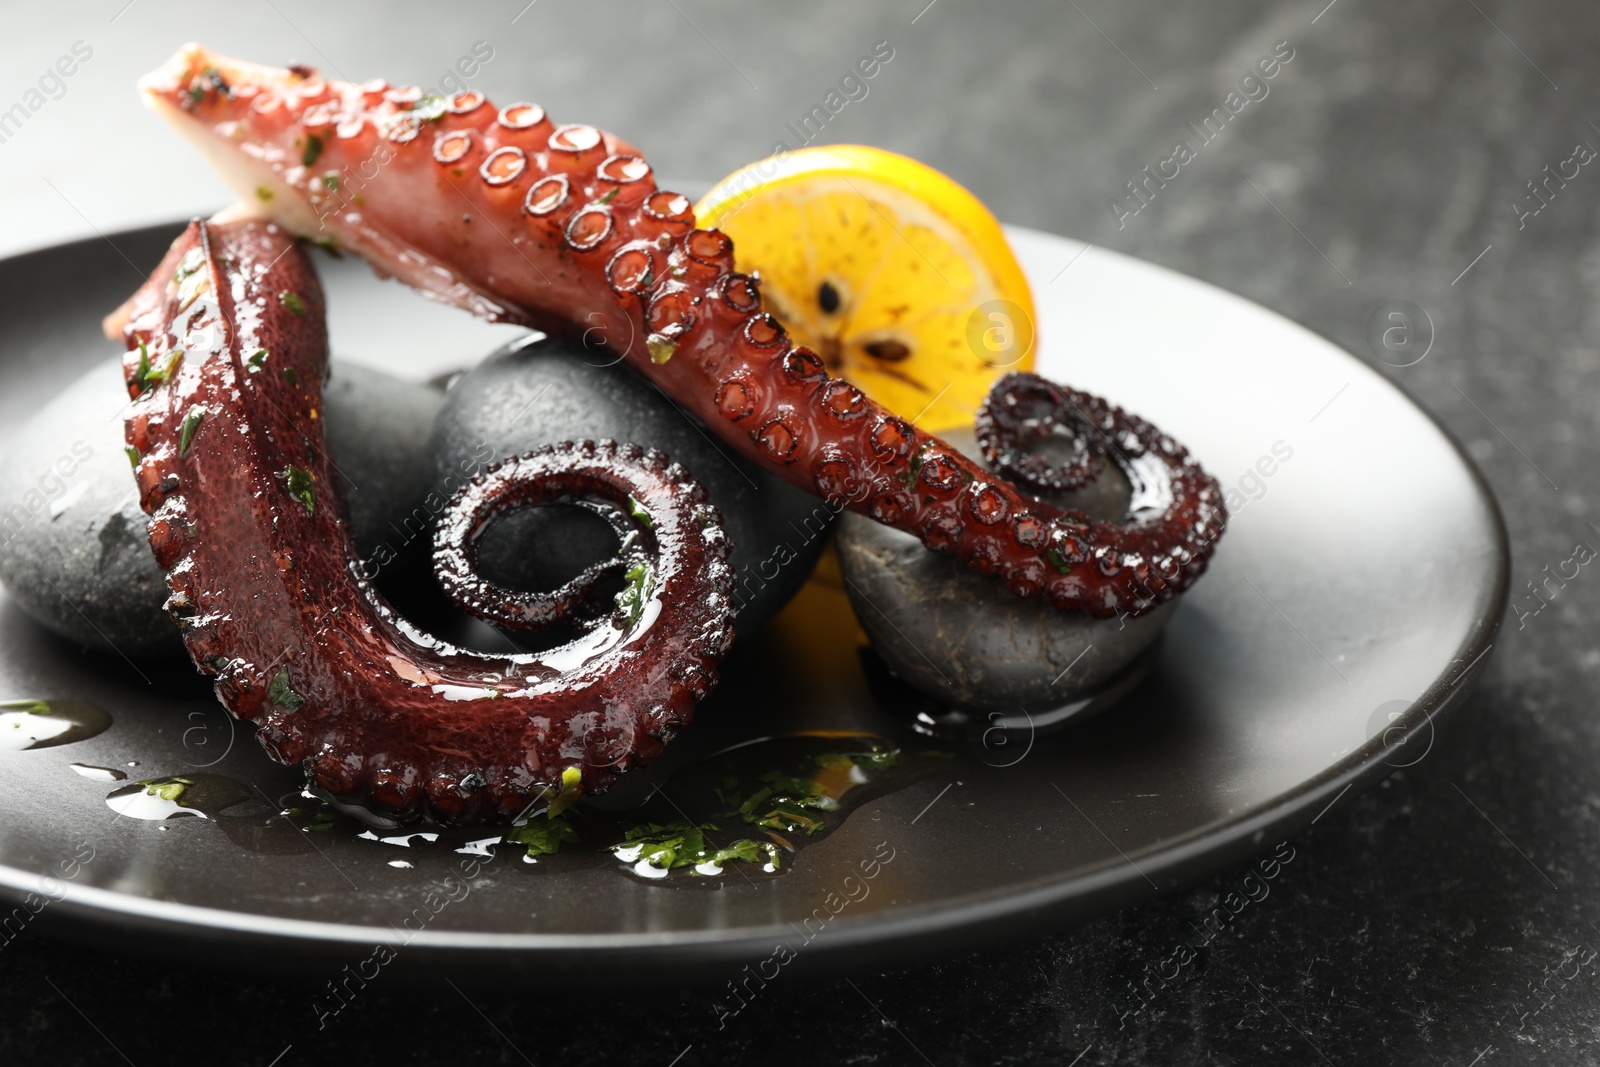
point(514, 217)
point(1031, 409)
point(227, 357)
point(622, 484)
point(1160, 545)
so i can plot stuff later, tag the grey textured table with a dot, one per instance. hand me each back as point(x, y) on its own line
point(1447, 917)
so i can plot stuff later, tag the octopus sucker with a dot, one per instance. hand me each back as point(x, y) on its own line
point(227, 352)
point(514, 216)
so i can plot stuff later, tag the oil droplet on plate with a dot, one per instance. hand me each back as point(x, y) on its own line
point(159, 799)
point(26, 724)
point(400, 863)
point(99, 774)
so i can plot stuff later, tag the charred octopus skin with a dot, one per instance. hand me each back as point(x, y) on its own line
point(515, 217)
point(227, 353)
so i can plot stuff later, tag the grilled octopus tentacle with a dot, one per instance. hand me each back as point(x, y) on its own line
point(227, 355)
point(561, 227)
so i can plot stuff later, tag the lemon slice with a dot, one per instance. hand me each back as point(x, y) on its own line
point(898, 277)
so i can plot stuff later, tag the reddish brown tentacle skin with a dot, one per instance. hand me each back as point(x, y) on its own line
point(247, 519)
point(611, 479)
point(1022, 408)
point(1169, 487)
point(505, 213)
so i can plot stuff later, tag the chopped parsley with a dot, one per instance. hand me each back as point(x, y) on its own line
point(792, 803)
point(290, 376)
point(787, 803)
point(292, 301)
point(638, 511)
point(133, 455)
point(331, 180)
point(909, 478)
point(191, 423)
point(256, 359)
point(609, 196)
point(1057, 560)
point(300, 487)
point(141, 375)
point(263, 194)
point(29, 707)
point(282, 694)
point(660, 348)
point(313, 149)
point(169, 370)
point(641, 586)
point(680, 843)
point(190, 264)
point(747, 850)
point(571, 789)
point(544, 836)
point(145, 375)
point(167, 788)
point(431, 107)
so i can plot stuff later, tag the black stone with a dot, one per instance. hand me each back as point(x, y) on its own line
point(963, 638)
point(536, 392)
point(73, 553)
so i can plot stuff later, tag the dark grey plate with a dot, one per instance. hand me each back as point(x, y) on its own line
point(1357, 592)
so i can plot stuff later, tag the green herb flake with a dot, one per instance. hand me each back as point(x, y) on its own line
point(281, 694)
point(168, 370)
point(666, 846)
point(641, 587)
point(207, 80)
point(677, 844)
point(571, 789)
point(544, 836)
point(609, 196)
point(1057, 560)
point(638, 511)
point(313, 149)
point(133, 456)
point(660, 348)
point(141, 375)
point(256, 359)
point(191, 423)
point(748, 851)
point(167, 788)
point(331, 180)
point(263, 194)
point(192, 261)
point(290, 376)
point(145, 376)
point(292, 301)
point(909, 478)
point(328, 245)
point(301, 487)
point(431, 107)
point(29, 707)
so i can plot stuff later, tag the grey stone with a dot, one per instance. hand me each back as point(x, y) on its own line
point(536, 392)
point(963, 638)
point(74, 554)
